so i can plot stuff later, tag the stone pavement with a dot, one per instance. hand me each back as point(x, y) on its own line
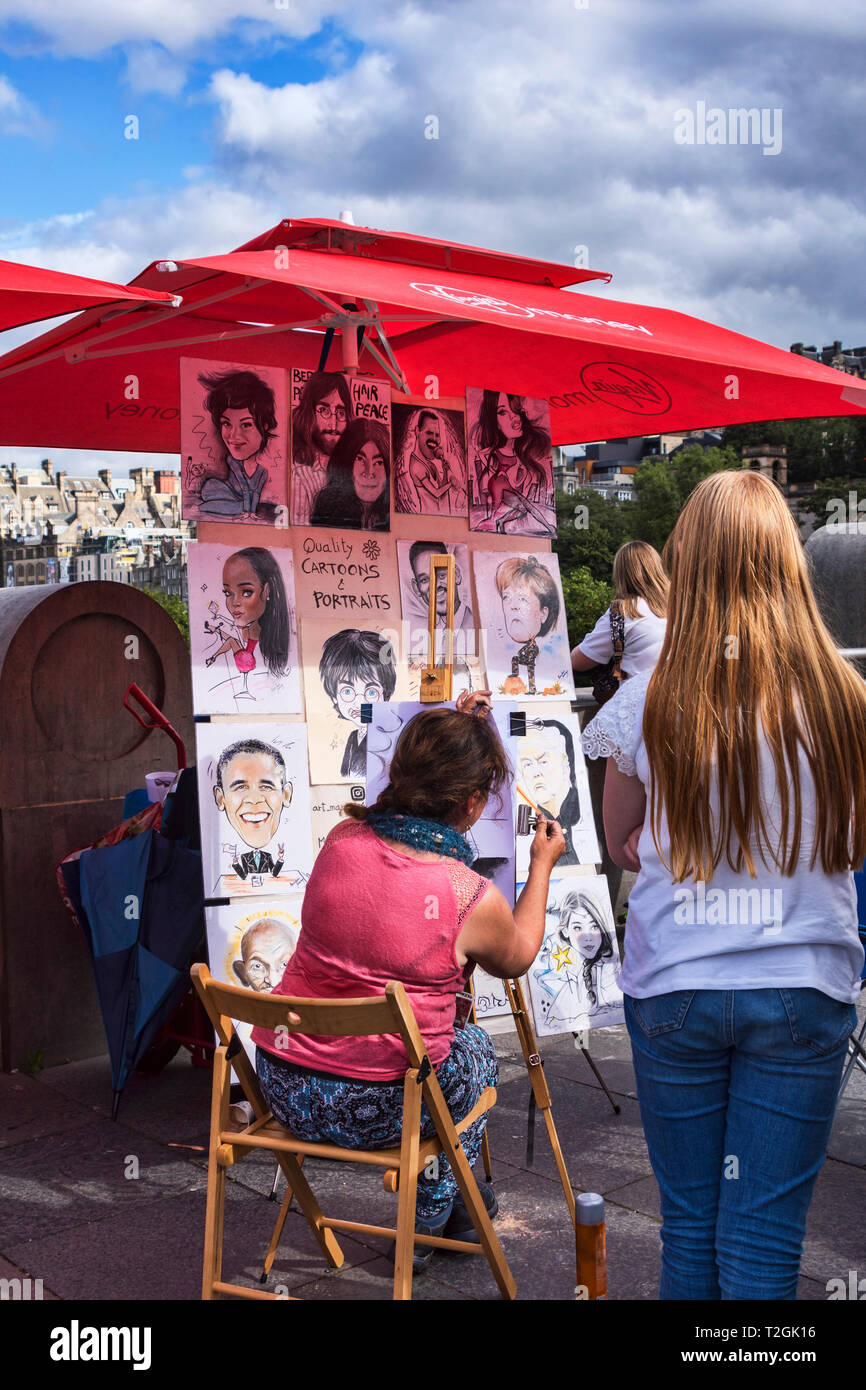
point(70, 1215)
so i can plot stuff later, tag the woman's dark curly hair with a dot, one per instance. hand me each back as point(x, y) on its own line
point(441, 758)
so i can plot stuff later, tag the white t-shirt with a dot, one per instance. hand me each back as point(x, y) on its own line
point(643, 640)
point(735, 932)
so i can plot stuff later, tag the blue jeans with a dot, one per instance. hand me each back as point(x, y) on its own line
point(737, 1091)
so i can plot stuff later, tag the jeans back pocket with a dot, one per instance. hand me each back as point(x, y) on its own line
point(662, 1013)
point(816, 1020)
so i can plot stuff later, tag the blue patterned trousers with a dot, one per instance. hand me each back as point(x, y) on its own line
point(368, 1115)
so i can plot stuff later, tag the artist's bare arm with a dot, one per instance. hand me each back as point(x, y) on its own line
point(502, 942)
point(624, 813)
point(580, 662)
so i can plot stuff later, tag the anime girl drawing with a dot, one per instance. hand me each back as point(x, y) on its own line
point(255, 597)
point(576, 973)
point(356, 668)
point(511, 473)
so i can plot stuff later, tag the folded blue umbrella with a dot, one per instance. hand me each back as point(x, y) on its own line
point(143, 915)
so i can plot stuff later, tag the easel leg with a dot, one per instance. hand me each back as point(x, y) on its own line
point(485, 1142)
point(601, 1081)
point(538, 1081)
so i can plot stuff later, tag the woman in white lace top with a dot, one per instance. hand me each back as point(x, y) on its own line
point(736, 787)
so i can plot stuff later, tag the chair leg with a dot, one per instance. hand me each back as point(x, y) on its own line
point(456, 1156)
point(301, 1190)
point(278, 1231)
point(409, 1146)
point(216, 1181)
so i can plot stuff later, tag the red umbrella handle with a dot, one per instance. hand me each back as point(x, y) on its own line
point(159, 720)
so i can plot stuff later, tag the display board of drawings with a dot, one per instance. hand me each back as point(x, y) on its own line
point(308, 641)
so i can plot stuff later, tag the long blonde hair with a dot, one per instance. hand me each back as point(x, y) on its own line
point(744, 642)
point(638, 573)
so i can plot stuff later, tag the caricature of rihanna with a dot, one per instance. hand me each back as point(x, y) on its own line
point(255, 596)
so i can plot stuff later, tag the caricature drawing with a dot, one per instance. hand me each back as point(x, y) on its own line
point(251, 788)
point(242, 408)
point(356, 668)
point(429, 462)
point(578, 965)
point(546, 774)
point(511, 474)
point(255, 596)
point(530, 607)
point(266, 948)
point(318, 422)
point(357, 480)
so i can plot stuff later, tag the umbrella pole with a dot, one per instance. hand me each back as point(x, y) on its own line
point(115, 1105)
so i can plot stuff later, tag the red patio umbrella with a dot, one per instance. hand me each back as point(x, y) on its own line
point(427, 309)
point(29, 293)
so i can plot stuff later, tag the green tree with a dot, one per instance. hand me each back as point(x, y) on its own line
point(590, 530)
point(832, 491)
point(175, 607)
point(586, 598)
point(815, 448)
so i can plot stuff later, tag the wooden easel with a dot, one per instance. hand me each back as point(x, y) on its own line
point(437, 681)
point(540, 1089)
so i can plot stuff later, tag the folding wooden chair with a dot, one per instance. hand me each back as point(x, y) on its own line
point(388, 1013)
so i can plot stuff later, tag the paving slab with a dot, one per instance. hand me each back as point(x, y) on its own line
point(173, 1104)
point(30, 1110)
point(79, 1176)
point(10, 1271)
point(601, 1149)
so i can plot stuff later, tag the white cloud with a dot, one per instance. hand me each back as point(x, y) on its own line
point(18, 116)
point(86, 28)
point(151, 69)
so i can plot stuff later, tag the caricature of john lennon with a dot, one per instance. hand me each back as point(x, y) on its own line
point(251, 787)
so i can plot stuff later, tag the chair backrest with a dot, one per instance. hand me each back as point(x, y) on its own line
point(387, 1013)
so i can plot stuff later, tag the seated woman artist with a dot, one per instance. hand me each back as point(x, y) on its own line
point(392, 897)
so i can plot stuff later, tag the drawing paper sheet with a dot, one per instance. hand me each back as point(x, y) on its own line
point(341, 450)
point(346, 574)
point(491, 1001)
point(573, 982)
point(346, 665)
point(250, 944)
point(550, 771)
point(243, 631)
point(522, 613)
point(233, 442)
point(413, 561)
point(510, 464)
point(429, 460)
point(255, 826)
point(326, 804)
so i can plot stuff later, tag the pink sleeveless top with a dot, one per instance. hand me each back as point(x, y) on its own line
point(373, 914)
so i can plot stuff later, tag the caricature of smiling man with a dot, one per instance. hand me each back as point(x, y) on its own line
point(251, 788)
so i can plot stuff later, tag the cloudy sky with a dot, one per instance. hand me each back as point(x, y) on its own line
point(560, 125)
